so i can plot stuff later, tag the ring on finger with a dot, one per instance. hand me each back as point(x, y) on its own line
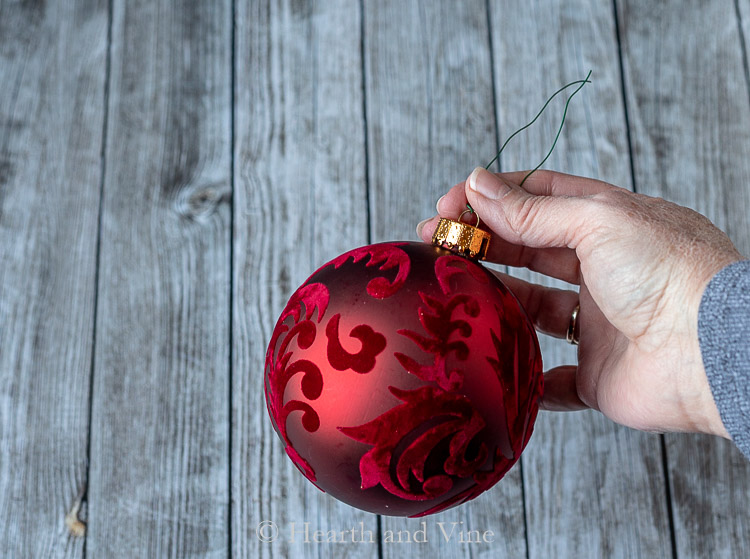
point(572, 335)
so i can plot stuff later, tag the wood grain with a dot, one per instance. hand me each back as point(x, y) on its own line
point(52, 71)
point(159, 443)
point(690, 125)
point(300, 200)
point(579, 467)
point(430, 121)
point(347, 127)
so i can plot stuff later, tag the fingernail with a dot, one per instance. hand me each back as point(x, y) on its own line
point(487, 184)
point(437, 206)
point(421, 225)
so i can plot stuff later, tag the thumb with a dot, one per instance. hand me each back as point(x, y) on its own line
point(523, 218)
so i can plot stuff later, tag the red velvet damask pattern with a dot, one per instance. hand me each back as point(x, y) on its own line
point(420, 390)
point(307, 299)
point(388, 256)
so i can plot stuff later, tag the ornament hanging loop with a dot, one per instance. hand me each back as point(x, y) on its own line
point(469, 210)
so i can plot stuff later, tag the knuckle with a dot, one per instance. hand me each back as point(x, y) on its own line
point(619, 204)
point(615, 208)
point(524, 214)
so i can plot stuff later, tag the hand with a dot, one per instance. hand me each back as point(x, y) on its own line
point(642, 265)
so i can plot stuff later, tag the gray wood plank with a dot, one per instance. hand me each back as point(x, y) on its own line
point(52, 71)
point(690, 125)
point(300, 200)
point(159, 477)
point(430, 121)
point(593, 488)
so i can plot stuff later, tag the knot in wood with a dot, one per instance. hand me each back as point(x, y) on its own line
point(199, 203)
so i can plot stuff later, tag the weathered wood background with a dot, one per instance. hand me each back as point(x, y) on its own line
point(171, 170)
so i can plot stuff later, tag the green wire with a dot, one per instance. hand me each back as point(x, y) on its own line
point(559, 130)
point(565, 112)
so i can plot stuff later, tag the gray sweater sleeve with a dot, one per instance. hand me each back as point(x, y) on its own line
point(724, 335)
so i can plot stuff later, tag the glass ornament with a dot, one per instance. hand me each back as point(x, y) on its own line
point(403, 378)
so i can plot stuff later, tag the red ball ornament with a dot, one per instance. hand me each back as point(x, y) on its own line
point(404, 378)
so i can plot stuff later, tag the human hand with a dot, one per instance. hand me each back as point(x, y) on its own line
point(642, 265)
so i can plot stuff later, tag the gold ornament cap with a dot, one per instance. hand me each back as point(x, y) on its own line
point(460, 237)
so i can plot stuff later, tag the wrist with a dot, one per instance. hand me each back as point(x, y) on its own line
point(708, 418)
point(706, 415)
point(699, 411)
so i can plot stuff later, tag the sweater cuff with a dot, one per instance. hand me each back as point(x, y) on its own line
point(724, 336)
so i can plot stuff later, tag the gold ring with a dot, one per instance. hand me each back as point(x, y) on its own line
point(571, 336)
point(468, 211)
